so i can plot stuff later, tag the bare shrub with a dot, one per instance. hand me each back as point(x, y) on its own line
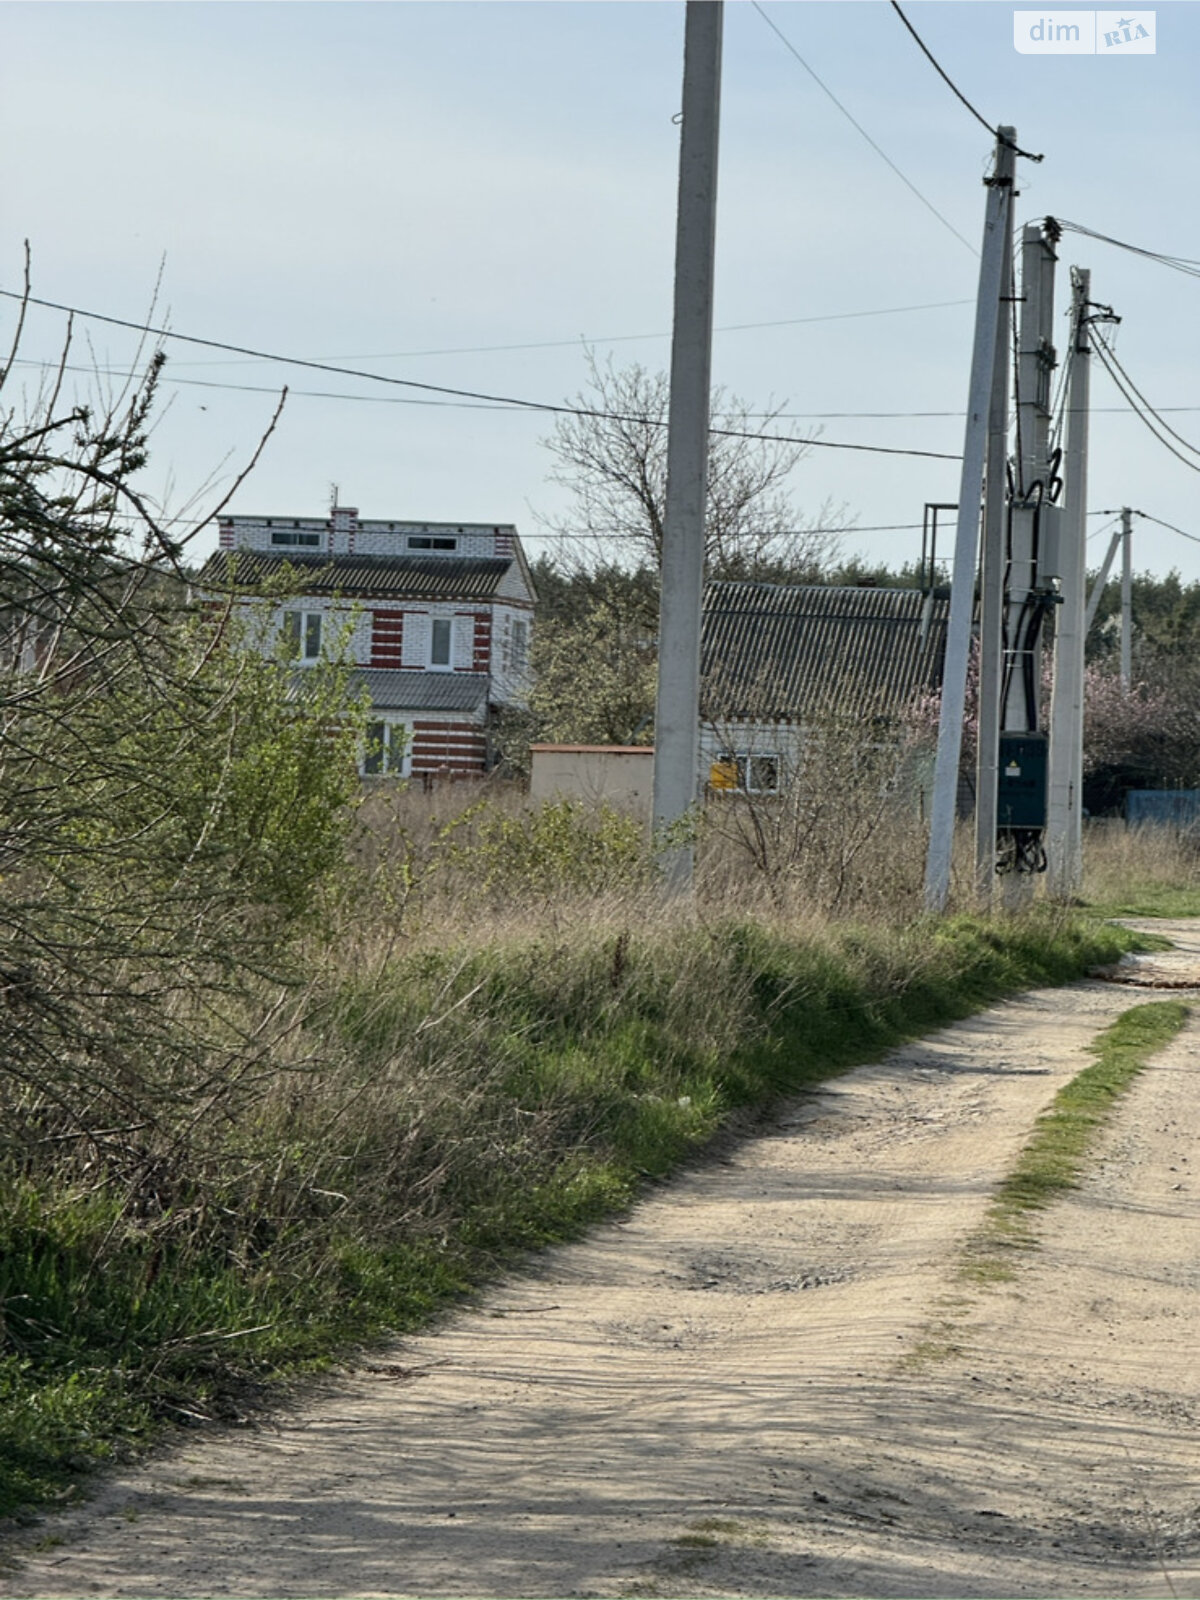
point(840, 829)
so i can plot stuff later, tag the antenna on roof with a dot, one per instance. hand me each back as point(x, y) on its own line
point(334, 490)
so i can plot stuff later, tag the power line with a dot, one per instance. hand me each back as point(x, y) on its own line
point(1100, 349)
point(625, 338)
point(946, 79)
point(168, 376)
point(1112, 356)
point(776, 533)
point(1195, 538)
point(1177, 263)
point(1103, 528)
point(928, 204)
point(545, 406)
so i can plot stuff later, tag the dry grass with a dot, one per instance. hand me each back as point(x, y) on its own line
point(1146, 871)
point(496, 1030)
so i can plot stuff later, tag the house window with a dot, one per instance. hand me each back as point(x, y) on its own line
point(440, 646)
point(286, 536)
point(748, 772)
point(386, 746)
point(519, 647)
point(431, 541)
point(302, 635)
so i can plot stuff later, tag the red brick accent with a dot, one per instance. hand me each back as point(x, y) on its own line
point(448, 746)
point(482, 656)
point(387, 638)
point(225, 535)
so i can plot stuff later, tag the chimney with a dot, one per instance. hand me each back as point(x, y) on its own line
point(343, 526)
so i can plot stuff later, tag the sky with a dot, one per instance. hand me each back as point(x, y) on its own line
point(471, 195)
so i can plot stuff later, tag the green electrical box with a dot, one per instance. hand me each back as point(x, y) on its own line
point(1021, 788)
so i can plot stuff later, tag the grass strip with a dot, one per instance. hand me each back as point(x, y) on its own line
point(471, 1104)
point(1053, 1160)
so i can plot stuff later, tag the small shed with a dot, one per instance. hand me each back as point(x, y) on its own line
point(779, 661)
point(618, 775)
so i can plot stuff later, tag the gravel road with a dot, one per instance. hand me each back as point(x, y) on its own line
point(766, 1380)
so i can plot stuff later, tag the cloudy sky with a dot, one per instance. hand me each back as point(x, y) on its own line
point(465, 194)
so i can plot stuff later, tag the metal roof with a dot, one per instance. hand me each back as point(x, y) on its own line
point(359, 577)
point(774, 652)
point(391, 690)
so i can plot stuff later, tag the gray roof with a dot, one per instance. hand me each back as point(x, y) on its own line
point(374, 577)
point(391, 690)
point(769, 651)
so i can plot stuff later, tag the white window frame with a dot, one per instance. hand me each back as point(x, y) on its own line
point(518, 645)
point(307, 631)
point(744, 761)
point(448, 624)
point(394, 756)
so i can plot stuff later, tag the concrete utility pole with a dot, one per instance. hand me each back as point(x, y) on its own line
point(1093, 604)
point(1064, 814)
point(1032, 563)
point(962, 589)
point(1126, 599)
point(677, 719)
point(991, 595)
point(1029, 566)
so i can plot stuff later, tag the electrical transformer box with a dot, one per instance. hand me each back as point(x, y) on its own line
point(1021, 788)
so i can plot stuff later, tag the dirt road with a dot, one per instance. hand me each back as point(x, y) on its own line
point(749, 1386)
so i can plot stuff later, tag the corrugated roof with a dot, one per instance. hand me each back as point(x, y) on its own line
point(769, 651)
point(394, 690)
point(360, 577)
point(391, 690)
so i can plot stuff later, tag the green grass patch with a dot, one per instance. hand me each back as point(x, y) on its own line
point(1150, 900)
point(453, 1109)
point(1053, 1160)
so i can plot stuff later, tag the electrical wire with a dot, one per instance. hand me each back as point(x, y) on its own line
point(879, 151)
point(168, 376)
point(1195, 538)
point(1177, 263)
point(1103, 528)
point(1112, 355)
point(946, 79)
point(510, 401)
point(620, 338)
point(1100, 350)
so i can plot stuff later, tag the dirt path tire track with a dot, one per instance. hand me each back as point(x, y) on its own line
point(731, 1391)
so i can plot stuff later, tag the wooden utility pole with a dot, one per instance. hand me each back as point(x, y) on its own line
point(1064, 828)
point(677, 719)
point(962, 589)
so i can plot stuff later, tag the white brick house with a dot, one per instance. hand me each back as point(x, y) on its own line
point(435, 617)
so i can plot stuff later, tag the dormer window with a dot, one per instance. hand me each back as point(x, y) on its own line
point(431, 541)
point(286, 536)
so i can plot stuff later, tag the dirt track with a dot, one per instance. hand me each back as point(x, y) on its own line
point(746, 1387)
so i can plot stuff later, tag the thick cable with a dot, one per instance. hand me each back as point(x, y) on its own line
point(949, 82)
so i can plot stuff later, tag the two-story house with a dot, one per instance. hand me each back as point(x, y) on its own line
point(435, 618)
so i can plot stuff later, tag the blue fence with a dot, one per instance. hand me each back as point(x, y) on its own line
point(1163, 808)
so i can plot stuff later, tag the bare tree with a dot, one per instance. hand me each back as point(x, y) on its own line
point(168, 801)
point(611, 453)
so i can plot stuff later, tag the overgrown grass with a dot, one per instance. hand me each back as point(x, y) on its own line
point(1053, 1160)
point(1141, 872)
point(428, 1116)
